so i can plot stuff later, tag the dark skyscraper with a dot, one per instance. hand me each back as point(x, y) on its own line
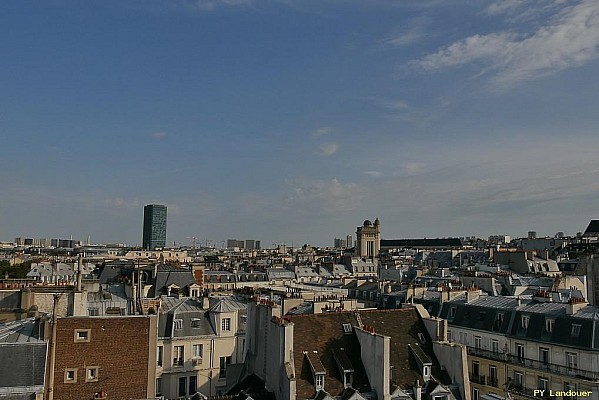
point(154, 226)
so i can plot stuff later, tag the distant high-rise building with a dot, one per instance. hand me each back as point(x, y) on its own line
point(339, 243)
point(250, 244)
point(154, 233)
point(349, 241)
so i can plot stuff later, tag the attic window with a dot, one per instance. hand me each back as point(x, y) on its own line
point(498, 322)
point(421, 338)
point(347, 328)
point(452, 312)
point(575, 330)
point(178, 323)
point(525, 320)
point(195, 323)
point(549, 323)
point(482, 315)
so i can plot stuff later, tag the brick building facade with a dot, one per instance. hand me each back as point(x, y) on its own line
point(115, 356)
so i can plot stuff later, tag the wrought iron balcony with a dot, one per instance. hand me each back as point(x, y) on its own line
point(535, 364)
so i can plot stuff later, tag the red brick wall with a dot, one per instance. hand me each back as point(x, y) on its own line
point(118, 346)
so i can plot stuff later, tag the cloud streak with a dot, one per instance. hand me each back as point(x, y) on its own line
point(570, 39)
point(328, 149)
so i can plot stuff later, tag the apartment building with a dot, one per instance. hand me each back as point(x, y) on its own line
point(198, 339)
point(102, 357)
point(516, 347)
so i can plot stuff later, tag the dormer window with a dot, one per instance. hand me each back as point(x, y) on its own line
point(196, 323)
point(319, 382)
point(575, 330)
point(347, 328)
point(524, 321)
point(226, 324)
point(549, 323)
point(178, 323)
point(498, 321)
point(452, 312)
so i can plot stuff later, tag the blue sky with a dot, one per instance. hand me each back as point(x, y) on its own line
point(295, 120)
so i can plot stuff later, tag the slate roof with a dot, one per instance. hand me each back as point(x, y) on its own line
point(22, 331)
point(404, 327)
point(167, 275)
point(226, 305)
point(592, 228)
point(279, 273)
point(324, 333)
point(23, 364)
point(431, 243)
point(195, 320)
point(481, 314)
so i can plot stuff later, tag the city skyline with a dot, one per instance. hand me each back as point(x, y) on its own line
point(295, 121)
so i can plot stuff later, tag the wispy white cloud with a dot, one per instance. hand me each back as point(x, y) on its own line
point(405, 38)
point(324, 196)
point(158, 135)
point(324, 130)
point(374, 174)
point(328, 149)
point(570, 39)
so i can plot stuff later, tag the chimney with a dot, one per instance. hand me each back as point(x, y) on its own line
point(205, 302)
point(79, 271)
point(575, 304)
point(417, 391)
point(472, 295)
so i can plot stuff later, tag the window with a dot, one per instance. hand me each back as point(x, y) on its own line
point(575, 330)
point(198, 350)
point(178, 355)
point(544, 356)
point(193, 385)
point(482, 315)
point(82, 335)
point(452, 312)
point(70, 375)
point(449, 336)
point(498, 321)
point(571, 362)
point(93, 312)
point(549, 324)
point(159, 354)
point(178, 323)
point(493, 375)
point(520, 352)
point(543, 383)
point(518, 379)
point(224, 361)
point(319, 382)
point(226, 324)
point(91, 374)
point(524, 321)
point(158, 387)
point(495, 346)
point(182, 386)
point(475, 369)
point(195, 323)
point(475, 394)
point(347, 328)
point(477, 343)
point(569, 386)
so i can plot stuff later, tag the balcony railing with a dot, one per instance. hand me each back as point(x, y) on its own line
point(492, 381)
point(534, 364)
point(480, 379)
